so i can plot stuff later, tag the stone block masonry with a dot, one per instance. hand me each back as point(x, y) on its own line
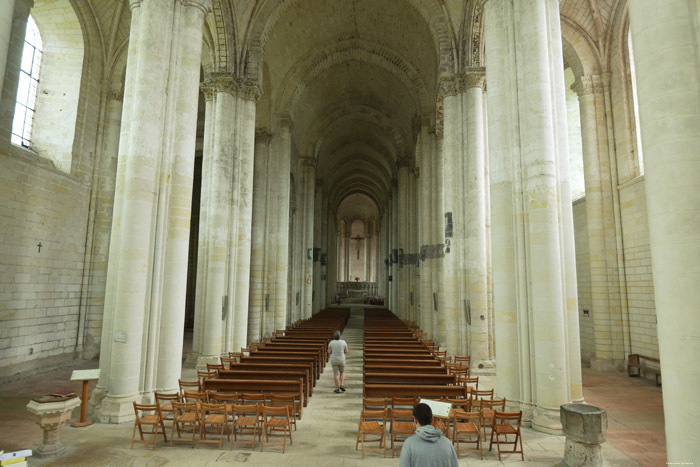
point(39, 286)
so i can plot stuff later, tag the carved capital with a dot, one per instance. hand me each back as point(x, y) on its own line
point(116, 95)
point(285, 121)
point(208, 88)
point(447, 86)
point(249, 91)
point(225, 82)
point(308, 162)
point(133, 4)
point(475, 78)
point(586, 85)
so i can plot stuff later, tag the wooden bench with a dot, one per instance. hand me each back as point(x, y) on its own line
point(407, 362)
point(315, 357)
point(395, 368)
point(409, 378)
point(640, 363)
point(283, 387)
point(277, 374)
point(428, 391)
point(255, 358)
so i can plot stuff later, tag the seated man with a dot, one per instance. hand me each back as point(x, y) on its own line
point(427, 447)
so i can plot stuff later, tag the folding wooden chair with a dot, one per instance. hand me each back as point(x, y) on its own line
point(401, 425)
point(276, 423)
point(466, 428)
point(373, 424)
point(214, 416)
point(502, 427)
point(185, 420)
point(187, 386)
point(154, 420)
point(488, 408)
point(245, 420)
point(165, 400)
point(286, 400)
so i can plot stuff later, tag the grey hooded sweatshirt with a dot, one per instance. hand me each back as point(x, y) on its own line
point(428, 448)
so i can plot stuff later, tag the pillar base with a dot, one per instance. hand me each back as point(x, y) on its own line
point(202, 361)
point(607, 365)
point(117, 409)
point(483, 368)
point(546, 420)
point(585, 430)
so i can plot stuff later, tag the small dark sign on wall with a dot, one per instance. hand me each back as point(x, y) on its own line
point(448, 225)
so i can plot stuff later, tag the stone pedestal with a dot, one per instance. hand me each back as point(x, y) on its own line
point(584, 427)
point(51, 416)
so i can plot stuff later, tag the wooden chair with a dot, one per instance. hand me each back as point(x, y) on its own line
point(165, 400)
point(256, 399)
point(214, 416)
point(187, 386)
point(245, 419)
point(375, 403)
point(278, 334)
point(502, 427)
point(185, 420)
point(289, 401)
point(195, 396)
point(154, 420)
point(227, 362)
point(373, 424)
point(401, 424)
point(458, 369)
point(228, 398)
point(245, 351)
point(479, 394)
point(488, 408)
point(276, 423)
point(471, 383)
point(235, 355)
point(444, 360)
point(202, 375)
point(215, 366)
point(466, 428)
point(462, 360)
point(440, 353)
point(457, 404)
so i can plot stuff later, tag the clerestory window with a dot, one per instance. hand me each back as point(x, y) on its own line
point(27, 86)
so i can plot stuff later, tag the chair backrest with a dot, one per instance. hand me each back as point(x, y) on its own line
point(403, 402)
point(493, 404)
point(206, 407)
point(252, 398)
point(188, 386)
point(470, 381)
point(482, 394)
point(439, 353)
point(167, 397)
point(374, 415)
point(245, 410)
point(245, 350)
point(227, 362)
point(196, 396)
point(215, 366)
point(208, 374)
point(374, 403)
point(464, 416)
point(181, 408)
point(268, 411)
point(502, 418)
point(139, 409)
point(235, 355)
point(281, 400)
point(224, 397)
point(458, 404)
point(458, 369)
point(465, 360)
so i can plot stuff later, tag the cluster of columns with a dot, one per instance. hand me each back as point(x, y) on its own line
point(143, 317)
point(535, 299)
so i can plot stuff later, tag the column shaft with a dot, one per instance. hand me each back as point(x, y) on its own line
point(7, 9)
point(278, 265)
point(668, 83)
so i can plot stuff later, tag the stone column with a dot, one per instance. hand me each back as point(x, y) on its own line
point(530, 228)
point(425, 230)
point(181, 179)
point(346, 248)
point(278, 189)
point(318, 221)
point(668, 84)
point(325, 249)
point(475, 222)
point(438, 224)
point(7, 9)
point(128, 302)
point(599, 208)
point(308, 170)
point(403, 244)
point(452, 316)
point(257, 314)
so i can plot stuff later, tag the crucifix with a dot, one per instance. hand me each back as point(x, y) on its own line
point(40, 245)
point(359, 239)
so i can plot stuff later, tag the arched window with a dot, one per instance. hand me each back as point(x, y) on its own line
point(635, 105)
point(28, 83)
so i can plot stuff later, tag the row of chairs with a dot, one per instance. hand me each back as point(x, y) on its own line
point(200, 413)
point(468, 422)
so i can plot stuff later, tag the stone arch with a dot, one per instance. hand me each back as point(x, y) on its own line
point(471, 40)
point(223, 32)
point(269, 12)
point(580, 52)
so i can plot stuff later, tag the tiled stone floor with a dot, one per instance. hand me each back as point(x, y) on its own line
point(326, 435)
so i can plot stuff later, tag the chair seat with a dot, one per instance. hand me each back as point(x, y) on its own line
point(166, 408)
point(214, 419)
point(187, 418)
point(468, 427)
point(246, 421)
point(277, 422)
point(506, 430)
point(403, 427)
point(150, 419)
point(373, 427)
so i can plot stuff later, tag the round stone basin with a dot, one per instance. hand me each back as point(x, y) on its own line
point(584, 423)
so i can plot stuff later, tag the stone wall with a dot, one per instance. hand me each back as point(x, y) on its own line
point(640, 287)
point(39, 288)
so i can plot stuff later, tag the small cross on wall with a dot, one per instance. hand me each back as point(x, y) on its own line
point(39, 245)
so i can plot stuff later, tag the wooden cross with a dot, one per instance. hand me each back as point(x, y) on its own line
point(40, 245)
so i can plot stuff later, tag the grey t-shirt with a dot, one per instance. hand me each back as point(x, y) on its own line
point(337, 349)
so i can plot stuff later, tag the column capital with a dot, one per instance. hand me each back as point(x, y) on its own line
point(403, 162)
point(133, 4)
point(205, 6)
point(115, 95)
point(447, 86)
point(308, 162)
point(474, 78)
point(208, 88)
point(285, 121)
point(586, 85)
point(226, 82)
